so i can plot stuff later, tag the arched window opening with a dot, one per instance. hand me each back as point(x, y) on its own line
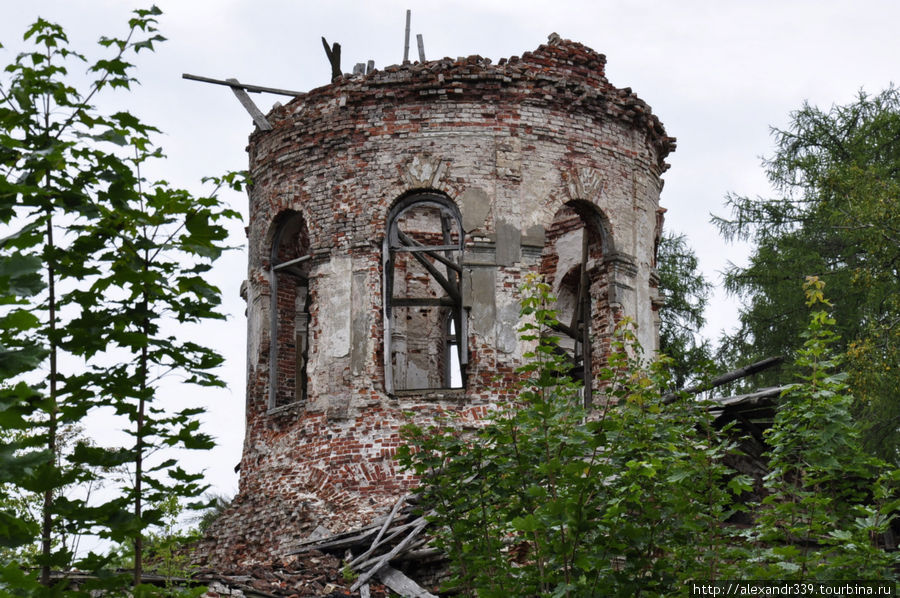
point(425, 327)
point(290, 309)
point(570, 263)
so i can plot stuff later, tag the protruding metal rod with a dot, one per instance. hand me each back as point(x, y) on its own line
point(406, 37)
point(421, 47)
point(731, 376)
point(292, 262)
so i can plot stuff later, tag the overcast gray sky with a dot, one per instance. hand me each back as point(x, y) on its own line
point(718, 74)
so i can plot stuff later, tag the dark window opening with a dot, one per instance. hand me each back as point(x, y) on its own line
point(290, 312)
point(425, 327)
point(571, 264)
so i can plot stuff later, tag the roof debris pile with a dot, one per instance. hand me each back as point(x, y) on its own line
point(302, 576)
point(397, 538)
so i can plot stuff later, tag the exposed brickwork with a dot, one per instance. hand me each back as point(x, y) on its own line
point(511, 144)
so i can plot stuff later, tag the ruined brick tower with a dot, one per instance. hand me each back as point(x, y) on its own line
point(393, 216)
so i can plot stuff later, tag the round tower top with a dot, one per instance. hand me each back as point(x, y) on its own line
point(560, 73)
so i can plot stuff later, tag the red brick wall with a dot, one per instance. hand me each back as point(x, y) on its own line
point(510, 143)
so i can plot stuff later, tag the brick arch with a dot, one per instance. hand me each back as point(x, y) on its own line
point(573, 261)
point(290, 292)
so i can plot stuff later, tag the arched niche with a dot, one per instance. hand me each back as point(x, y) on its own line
point(290, 307)
point(576, 243)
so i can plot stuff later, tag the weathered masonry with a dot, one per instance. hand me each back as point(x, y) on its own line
point(393, 216)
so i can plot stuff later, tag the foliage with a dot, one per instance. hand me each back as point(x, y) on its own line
point(685, 295)
point(26, 506)
point(550, 499)
point(632, 498)
point(99, 263)
point(839, 219)
point(828, 500)
point(216, 505)
point(167, 551)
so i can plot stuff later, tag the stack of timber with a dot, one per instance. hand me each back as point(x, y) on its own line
point(369, 551)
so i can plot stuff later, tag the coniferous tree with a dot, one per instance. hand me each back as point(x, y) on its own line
point(685, 295)
point(837, 218)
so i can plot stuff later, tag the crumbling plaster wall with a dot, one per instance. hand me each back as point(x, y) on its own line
point(510, 144)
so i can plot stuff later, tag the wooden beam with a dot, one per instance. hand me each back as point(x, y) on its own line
point(412, 245)
point(334, 58)
point(421, 45)
point(424, 248)
point(406, 37)
point(298, 260)
point(451, 289)
point(747, 370)
point(387, 524)
point(242, 96)
point(245, 86)
point(422, 302)
point(421, 523)
point(401, 584)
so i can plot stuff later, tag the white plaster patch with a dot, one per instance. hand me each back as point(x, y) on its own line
point(257, 321)
point(506, 327)
point(334, 306)
point(569, 249)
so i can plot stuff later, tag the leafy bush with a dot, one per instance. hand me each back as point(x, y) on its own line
point(547, 498)
point(631, 498)
point(829, 501)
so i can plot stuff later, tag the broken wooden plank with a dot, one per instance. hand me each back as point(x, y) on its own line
point(421, 45)
point(246, 86)
point(747, 370)
point(401, 584)
point(352, 532)
point(406, 37)
point(420, 555)
point(242, 96)
point(364, 556)
point(389, 520)
point(382, 561)
point(344, 540)
point(334, 58)
point(387, 523)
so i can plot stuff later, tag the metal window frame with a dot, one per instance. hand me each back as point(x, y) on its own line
point(447, 254)
point(291, 267)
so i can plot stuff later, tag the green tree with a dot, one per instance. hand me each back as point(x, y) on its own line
point(838, 218)
point(548, 498)
point(685, 294)
point(120, 258)
point(828, 500)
